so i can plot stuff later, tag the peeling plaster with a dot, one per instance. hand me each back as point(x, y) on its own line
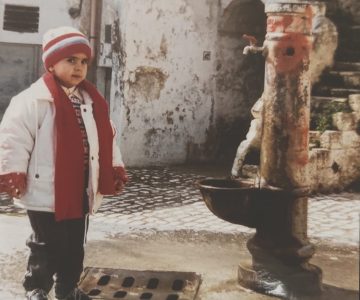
point(201, 16)
point(160, 54)
point(169, 117)
point(119, 108)
point(168, 86)
point(163, 47)
point(146, 83)
point(174, 99)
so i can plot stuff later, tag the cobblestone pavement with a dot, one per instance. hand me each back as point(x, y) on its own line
point(159, 199)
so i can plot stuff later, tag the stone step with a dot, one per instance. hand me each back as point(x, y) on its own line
point(319, 158)
point(322, 90)
point(314, 139)
point(346, 42)
point(334, 139)
point(349, 42)
point(348, 54)
point(347, 79)
point(347, 66)
point(322, 100)
point(352, 31)
point(349, 37)
point(322, 109)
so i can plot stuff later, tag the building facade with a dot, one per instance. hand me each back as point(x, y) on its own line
point(179, 87)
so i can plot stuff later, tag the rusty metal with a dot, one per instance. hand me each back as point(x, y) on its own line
point(106, 283)
point(284, 147)
point(286, 112)
point(239, 202)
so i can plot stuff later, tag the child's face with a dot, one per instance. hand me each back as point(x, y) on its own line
point(71, 70)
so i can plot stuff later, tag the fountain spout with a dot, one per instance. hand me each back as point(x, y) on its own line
point(252, 48)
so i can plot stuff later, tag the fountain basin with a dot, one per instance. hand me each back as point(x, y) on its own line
point(239, 201)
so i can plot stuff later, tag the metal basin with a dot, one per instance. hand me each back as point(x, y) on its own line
point(239, 202)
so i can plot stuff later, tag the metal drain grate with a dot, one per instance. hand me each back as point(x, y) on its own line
point(105, 283)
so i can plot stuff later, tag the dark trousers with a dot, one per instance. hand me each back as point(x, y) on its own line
point(56, 248)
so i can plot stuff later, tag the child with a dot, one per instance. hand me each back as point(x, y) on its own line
point(58, 157)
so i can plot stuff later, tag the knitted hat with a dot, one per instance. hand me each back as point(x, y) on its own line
point(62, 42)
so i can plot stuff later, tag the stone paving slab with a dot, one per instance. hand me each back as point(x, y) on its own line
point(167, 199)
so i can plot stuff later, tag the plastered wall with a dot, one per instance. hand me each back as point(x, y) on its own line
point(181, 87)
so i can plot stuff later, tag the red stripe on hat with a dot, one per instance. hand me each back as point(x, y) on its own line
point(65, 52)
point(60, 38)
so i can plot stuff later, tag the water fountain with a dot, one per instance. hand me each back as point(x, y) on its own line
point(276, 205)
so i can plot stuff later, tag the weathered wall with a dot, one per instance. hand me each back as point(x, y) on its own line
point(20, 53)
point(168, 101)
point(19, 67)
point(52, 14)
point(349, 9)
point(182, 89)
point(325, 42)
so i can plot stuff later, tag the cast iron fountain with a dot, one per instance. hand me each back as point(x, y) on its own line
point(277, 205)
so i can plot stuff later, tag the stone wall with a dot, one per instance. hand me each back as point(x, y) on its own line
point(325, 42)
point(345, 10)
point(334, 154)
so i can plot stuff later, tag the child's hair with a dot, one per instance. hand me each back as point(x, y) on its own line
point(62, 42)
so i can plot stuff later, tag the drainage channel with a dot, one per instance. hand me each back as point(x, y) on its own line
point(106, 283)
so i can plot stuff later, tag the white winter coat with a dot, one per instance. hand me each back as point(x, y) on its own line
point(28, 145)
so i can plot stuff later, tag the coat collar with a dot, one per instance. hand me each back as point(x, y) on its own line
point(40, 91)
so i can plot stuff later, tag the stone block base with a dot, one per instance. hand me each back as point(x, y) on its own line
point(289, 282)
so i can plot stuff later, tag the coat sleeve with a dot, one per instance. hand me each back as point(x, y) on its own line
point(17, 135)
point(117, 158)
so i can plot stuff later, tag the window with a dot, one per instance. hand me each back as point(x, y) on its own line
point(21, 18)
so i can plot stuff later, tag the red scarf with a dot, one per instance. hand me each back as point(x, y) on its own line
point(69, 162)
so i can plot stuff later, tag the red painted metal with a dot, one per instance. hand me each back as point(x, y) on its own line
point(284, 148)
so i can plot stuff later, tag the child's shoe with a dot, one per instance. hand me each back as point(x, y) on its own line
point(76, 294)
point(37, 294)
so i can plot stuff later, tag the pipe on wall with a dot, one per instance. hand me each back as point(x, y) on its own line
point(93, 21)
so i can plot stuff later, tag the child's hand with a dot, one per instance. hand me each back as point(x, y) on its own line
point(120, 179)
point(14, 184)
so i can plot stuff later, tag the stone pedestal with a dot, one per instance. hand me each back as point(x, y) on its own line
point(282, 281)
point(280, 256)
